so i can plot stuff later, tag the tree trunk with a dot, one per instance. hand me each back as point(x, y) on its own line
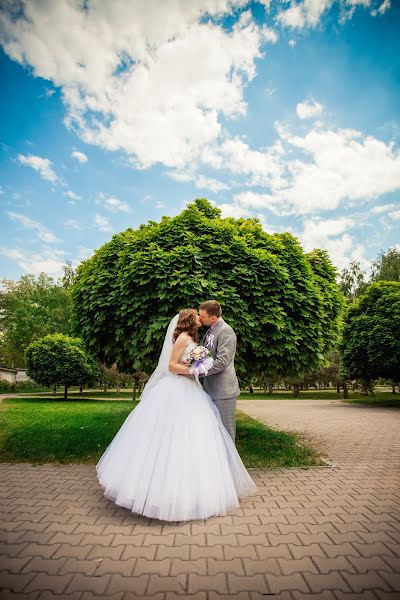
point(270, 388)
point(345, 390)
point(393, 388)
point(296, 390)
point(338, 388)
point(134, 391)
point(65, 392)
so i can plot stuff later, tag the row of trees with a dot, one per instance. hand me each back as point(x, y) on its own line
point(287, 307)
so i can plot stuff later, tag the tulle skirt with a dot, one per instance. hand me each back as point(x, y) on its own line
point(172, 459)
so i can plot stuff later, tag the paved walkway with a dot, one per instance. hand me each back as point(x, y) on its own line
point(322, 533)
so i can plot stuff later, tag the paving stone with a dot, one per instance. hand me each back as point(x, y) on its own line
point(240, 583)
point(52, 583)
point(136, 585)
point(89, 583)
point(206, 583)
point(268, 565)
point(185, 567)
point(160, 584)
point(16, 582)
point(279, 583)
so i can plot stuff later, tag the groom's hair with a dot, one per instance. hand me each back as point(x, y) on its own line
point(212, 308)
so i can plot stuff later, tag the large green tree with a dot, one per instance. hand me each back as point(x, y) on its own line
point(370, 347)
point(59, 359)
point(31, 308)
point(284, 304)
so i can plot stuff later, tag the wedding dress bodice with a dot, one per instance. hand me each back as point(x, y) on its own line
point(187, 350)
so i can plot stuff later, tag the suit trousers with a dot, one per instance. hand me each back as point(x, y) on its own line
point(227, 410)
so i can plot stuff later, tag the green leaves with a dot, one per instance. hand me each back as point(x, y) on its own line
point(283, 304)
point(370, 346)
point(60, 359)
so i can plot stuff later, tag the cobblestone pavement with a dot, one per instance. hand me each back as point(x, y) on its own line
point(323, 533)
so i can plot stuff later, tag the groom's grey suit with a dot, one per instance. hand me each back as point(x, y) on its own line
point(221, 382)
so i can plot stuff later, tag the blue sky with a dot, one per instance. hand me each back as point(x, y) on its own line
point(288, 111)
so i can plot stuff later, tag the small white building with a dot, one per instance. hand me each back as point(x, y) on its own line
point(13, 375)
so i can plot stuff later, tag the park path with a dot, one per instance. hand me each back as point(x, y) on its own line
point(325, 533)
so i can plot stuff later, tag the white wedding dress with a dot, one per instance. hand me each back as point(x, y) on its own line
point(172, 459)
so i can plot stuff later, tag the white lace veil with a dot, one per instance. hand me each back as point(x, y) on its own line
point(162, 369)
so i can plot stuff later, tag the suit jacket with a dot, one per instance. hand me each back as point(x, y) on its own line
point(221, 381)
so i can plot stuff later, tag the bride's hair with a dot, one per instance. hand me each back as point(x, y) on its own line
point(187, 322)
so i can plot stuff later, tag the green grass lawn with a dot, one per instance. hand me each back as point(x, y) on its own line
point(36, 430)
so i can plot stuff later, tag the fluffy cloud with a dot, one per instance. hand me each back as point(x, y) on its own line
point(27, 223)
point(308, 13)
point(309, 109)
point(376, 210)
point(340, 165)
point(333, 236)
point(113, 204)
point(80, 156)
point(311, 173)
point(302, 14)
point(39, 164)
point(72, 196)
point(126, 73)
point(48, 260)
point(263, 168)
point(102, 223)
point(200, 181)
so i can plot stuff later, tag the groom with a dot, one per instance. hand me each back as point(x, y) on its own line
point(221, 382)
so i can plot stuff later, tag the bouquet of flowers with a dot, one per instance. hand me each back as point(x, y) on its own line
point(200, 360)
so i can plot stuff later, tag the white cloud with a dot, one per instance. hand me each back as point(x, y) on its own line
point(200, 181)
point(113, 204)
point(80, 156)
point(160, 205)
point(126, 74)
point(259, 167)
point(27, 223)
point(381, 208)
point(72, 196)
point(308, 13)
point(292, 43)
point(340, 165)
point(102, 223)
point(302, 14)
point(39, 164)
point(309, 109)
point(333, 236)
point(234, 210)
point(49, 260)
point(395, 215)
point(256, 200)
point(383, 7)
point(72, 223)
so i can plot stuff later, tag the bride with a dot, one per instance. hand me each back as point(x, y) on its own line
point(172, 459)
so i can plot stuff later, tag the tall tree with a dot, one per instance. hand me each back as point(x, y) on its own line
point(283, 304)
point(30, 308)
point(387, 266)
point(370, 347)
point(352, 281)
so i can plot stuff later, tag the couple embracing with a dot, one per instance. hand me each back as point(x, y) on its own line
point(174, 457)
